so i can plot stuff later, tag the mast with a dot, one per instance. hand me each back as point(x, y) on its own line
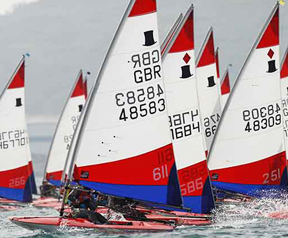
point(171, 33)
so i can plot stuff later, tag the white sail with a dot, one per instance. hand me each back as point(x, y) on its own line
point(284, 94)
point(184, 118)
point(15, 174)
point(124, 146)
point(208, 85)
point(248, 153)
point(64, 132)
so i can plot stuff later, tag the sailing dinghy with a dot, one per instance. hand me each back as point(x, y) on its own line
point(248, 153)
point(16, 167)
point(208, 86)
point(64, 133)
point(184, 118)
point(124, 147)
point(60, 145)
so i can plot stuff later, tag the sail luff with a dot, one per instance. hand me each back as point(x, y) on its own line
point(210, 30)
point(284, 71)
point(170, 33)
point(177, 31)
point(13, 75)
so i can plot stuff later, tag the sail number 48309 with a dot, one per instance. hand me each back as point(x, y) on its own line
point(262, 118)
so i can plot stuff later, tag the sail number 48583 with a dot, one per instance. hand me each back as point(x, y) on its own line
point(141, 102)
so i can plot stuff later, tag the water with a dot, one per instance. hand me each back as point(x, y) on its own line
point(241, 220)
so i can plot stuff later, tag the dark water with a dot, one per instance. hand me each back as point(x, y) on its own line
point(241, 220)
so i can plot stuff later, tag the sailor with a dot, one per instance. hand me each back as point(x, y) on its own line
point(126, 207)
point(83, 205)
point(48, 190)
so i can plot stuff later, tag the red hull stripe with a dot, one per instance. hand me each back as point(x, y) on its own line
point(14, 178)
point(79, 89)
point(217, 63)
point(142, 7)
point(225, 87)
point(208, 54)
point(152, 168)
point(271, 34)
point(18, 80)
point(85, 89)
point(185, 38)
point(267, 172)
point(54, 175)
point(284, 69)
point(193, 178)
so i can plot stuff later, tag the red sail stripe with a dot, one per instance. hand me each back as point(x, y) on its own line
point(185, 38)
point(284, 69)
point(142, 7)
point(54, 175)
point(225, 86)
point(271, 34)
point(14, 178)
point(85, 89)
point(208, 54)
point(267, 171)
point(217, 63)
point(18, 80)
point(152, 168)
point(79, 89)
point(193, 178)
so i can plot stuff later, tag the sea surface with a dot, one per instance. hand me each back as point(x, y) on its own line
point(241, 220)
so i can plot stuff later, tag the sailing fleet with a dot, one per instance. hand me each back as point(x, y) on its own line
point(158, 128)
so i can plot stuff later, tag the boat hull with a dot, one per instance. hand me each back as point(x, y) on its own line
point(50, 224)
point(48, 202)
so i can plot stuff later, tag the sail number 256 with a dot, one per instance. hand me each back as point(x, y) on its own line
point(262, 118)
